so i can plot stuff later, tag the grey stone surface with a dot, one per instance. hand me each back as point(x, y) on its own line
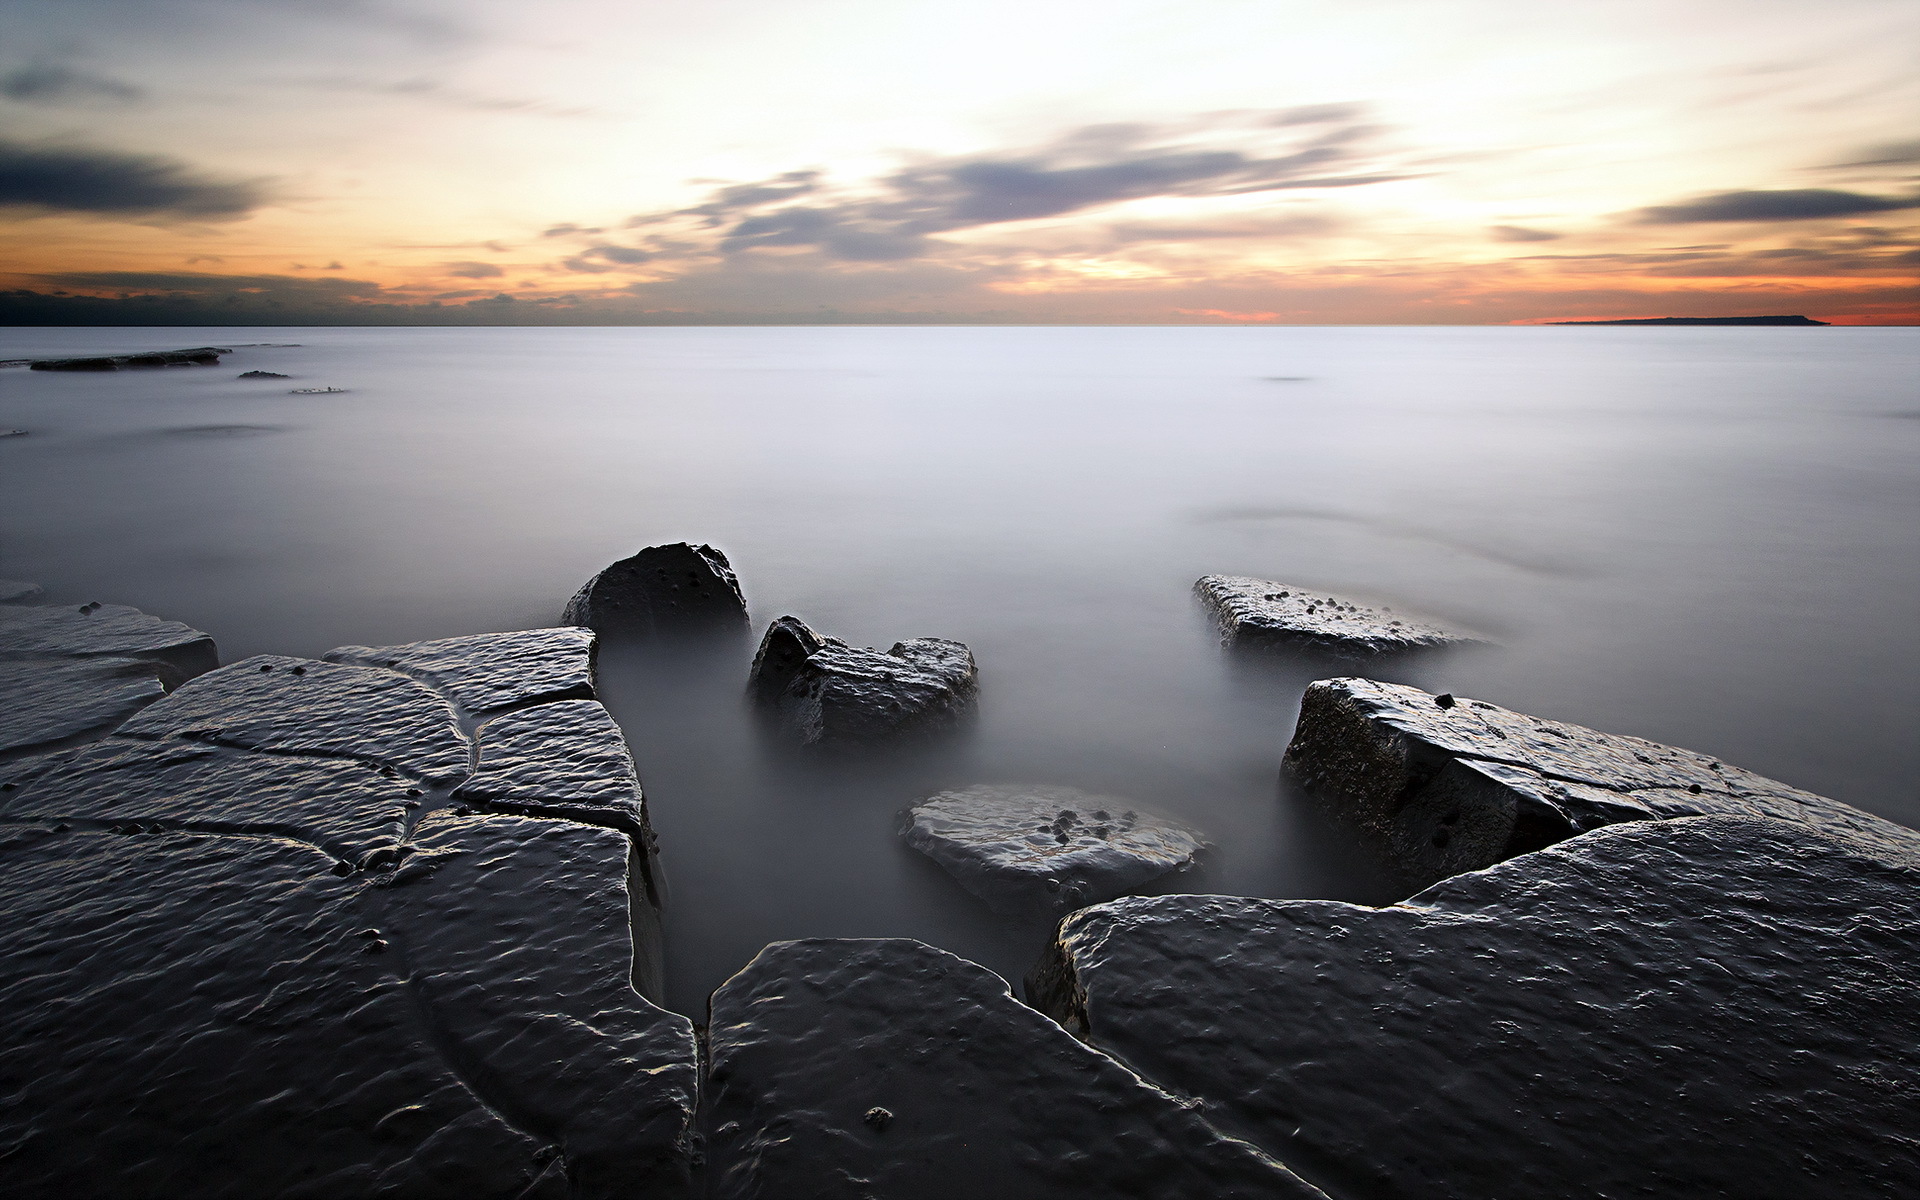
point(1711, 1006)
point(199, 356)
point(842, 693)
point(663, 591)
point(1445, 785)
point(564, 756)
point(103, 631)
point(259, 945)
point(888, 1069)
point(486, 671)
point(48, 703)
point(19, 591)
point(1026, 848)
point(1263, 613)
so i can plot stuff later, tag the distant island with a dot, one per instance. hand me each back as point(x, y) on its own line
point(1794, 320)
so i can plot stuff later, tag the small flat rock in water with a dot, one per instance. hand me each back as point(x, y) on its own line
point(1262, 613)
point(1445, 785)
point(1711, 1006)
point(890, 1070)
point(18, 591)
point(663, 591)
point(486, 671)
point(252, 951)
point(103, 631)
point(1027, 849)
point(825, 691)
point(263, 375)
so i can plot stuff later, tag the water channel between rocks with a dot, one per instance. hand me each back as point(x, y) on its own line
point(1707, 537)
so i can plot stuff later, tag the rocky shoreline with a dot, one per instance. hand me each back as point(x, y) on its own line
point(389, 922)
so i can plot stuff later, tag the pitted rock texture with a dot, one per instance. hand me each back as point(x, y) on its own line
point(277, 869)
point(19, 591)
point(891, 1070)
point(1263, 613)
point(198, 356)
point(1028, 849)
point(1445, 785)
point(486, 671)
point(838, 693)
point(1711, 1006)
point(662, 591)
point(104, 631)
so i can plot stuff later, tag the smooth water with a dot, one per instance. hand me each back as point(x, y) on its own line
point(1709, 537)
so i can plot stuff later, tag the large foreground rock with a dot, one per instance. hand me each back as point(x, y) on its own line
point(1260, 613)
point(889, 1070)
point(674, 590)
point(1445, 785)
point(823, 690)
point(1713, 1006)
point(1028, 849)
point(262, 943)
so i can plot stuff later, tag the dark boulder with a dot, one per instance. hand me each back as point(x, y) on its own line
point(890, 1070)
point(1259, 613)
point(263, 375)
point(1444, 785)
point(663, 591)
point(1711, 1006)
point(840, 693)
point(199, 356)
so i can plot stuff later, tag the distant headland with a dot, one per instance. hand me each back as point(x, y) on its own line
point(1793, 320)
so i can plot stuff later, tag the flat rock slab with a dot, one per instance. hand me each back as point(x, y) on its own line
point(1032, 849)
point(485, 671)
point(824, 691)
point(260, 944)
point(1711, 1006)
point(663, 591)
point(199, 356)
point(1260, 613)
point(888, 1069)
point(103, 631)
point(1445, 785)
point(50, 703)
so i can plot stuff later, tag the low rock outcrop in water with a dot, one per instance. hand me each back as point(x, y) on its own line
point(1263, 613)
point(891, 1070)
point(395, 973)
point(1028, 849)
point(823, 690)
point(1444, 785)
point(1711, 1006)
point(663, 591)
point(263, 375)
point(199, 356)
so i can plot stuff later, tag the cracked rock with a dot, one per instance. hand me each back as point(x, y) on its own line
point(1263, 613)
point(1445, 788)
point(823, 690)
point(486, 671)
point(915, 1073)
point(1708, 1006)
point(104, 631)
point(1032, 849)
point(663, 591)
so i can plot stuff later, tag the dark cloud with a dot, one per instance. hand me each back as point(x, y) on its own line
point(565, 229)
point(1323, 146)
point(203, 284)
point(110, 183)
point(473, 270)
point(1890, 154)
point(439, 92)
point(601, 258)
point(1796, 204)
point(54, 83)
point(1519, 233)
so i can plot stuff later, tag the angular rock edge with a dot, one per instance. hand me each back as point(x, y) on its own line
point(823, 691)
point(1441, 785)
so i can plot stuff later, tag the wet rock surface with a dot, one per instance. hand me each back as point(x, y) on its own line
point(266, 946)
point(199, 356)
point(1705, 1006)
point(1444, 785)
point(1028, 849)
point(822, 690)
point(48, 703)
point(663, 591)
point(1260, 613)
point(486, 671)
point(103, 631)
point(888, 1069)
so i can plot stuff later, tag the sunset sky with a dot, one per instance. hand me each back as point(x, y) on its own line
point(1377, 161)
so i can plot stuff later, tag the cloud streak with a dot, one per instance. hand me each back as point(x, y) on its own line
point(41, 179)
point(1794, 204)
point(55, 83)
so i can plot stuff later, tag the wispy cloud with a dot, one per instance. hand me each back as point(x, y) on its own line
point(1791, 204)
point(473, 270)
point(1520, 233)
point(58, 178)
point(57, 83)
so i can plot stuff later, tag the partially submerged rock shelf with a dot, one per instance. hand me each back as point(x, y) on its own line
point(823, 691)
point(1263, 614)
point(198, 356)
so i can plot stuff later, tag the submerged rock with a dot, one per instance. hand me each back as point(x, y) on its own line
point(823, 690)
point(1262, 613)
point(19, 591)
point(671, 590)
point(199, 356)
point(1445, 785)
point(1028, 849)
point(279, 866)
point(1714, 1006)
point(263, 375)
point(891, 1070)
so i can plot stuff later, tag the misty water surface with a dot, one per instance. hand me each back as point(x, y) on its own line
point(1710, 537)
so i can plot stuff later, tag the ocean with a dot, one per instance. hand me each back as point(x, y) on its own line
point(1705, 536)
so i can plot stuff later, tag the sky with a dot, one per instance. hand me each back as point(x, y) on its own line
point(1038, 161)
